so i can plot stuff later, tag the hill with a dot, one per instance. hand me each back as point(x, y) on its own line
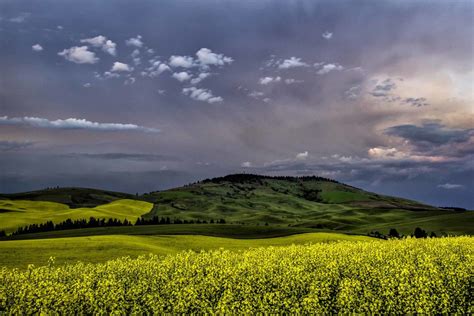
point(312, 202)
point(72, 197)
point(246, 199)
point(20, 213)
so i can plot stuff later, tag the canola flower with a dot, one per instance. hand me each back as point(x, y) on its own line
point(426, 276)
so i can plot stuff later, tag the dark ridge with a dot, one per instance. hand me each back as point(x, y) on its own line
point(73, 197)
point(256, 178)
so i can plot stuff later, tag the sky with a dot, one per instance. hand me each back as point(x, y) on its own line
point(146, 95)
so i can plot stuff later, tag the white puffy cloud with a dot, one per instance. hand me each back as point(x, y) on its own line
point(181, 61)
point(327, 68)
point(450, 186)
point(37, 48)
point(182, 76)
point(108, 75)
point(135, 53)
point(386, 153)
point(156, 68)
point(79, 55)
point(101, 41)
point(302, 156)
point(200, 77)
point(201, 95)
point(73, 123)
point(87, 85)
point(246, 164)
point(135, 41)
point(327, 35)
point(268, 80)
point(293, 62)
point(256, 94)
point(206, 57)
point(120, 67)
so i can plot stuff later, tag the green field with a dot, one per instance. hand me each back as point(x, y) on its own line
point(21, 253)
point(16, 213)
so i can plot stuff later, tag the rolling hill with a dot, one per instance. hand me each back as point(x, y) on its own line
point(311, 202)
point(304, 202)
point(20, 213)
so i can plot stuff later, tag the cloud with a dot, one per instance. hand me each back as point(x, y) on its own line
point(120, 67)
point(125, 156)
point(246, 164)
point(200, 77)
point(394, 154)
point(201, 95)
point(450, 186)
point(302, 156)
point(79, 55)
point(293, 62)
point(415, 101)
point(108, 75)
point(327, 35)
point(101, 41)
point(37, 48)
point(256, 94)
point(384, 88)
point(292, 81)
point(268, 80)
point(135, 53)
point(129, 81)
point(135, 41)
point(8, 145)
point(20, 18)
point(87, 85)
point(385, 153)
point(206, 57)
point(181, 61)
point(431, 133)
point(327, 68)
point(182, 76)
point(353, 92)
point(156, 69)
point(73, 123)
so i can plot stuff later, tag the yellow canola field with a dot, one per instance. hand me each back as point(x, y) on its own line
point(426, 276)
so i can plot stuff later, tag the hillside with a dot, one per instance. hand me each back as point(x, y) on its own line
point(20, 213)
point(72, 197)
point(306, 202)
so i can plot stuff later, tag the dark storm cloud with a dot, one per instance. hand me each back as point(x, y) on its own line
point(384, 88)
point(430, 134)
point(125, 156)
point(6, 145)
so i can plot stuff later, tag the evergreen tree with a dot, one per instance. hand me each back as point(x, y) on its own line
point(393, 233)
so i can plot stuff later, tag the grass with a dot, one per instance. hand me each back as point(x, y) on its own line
point(312, 204)
point(216, 230)
point(21, 253)
point(16, 213)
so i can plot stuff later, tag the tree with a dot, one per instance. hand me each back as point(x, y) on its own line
point(420, 233)
point(393, 233)
point(433, 235)
point(2, 233)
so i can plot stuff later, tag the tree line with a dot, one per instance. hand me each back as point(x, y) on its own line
point(393, 233)
point(102, 222)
